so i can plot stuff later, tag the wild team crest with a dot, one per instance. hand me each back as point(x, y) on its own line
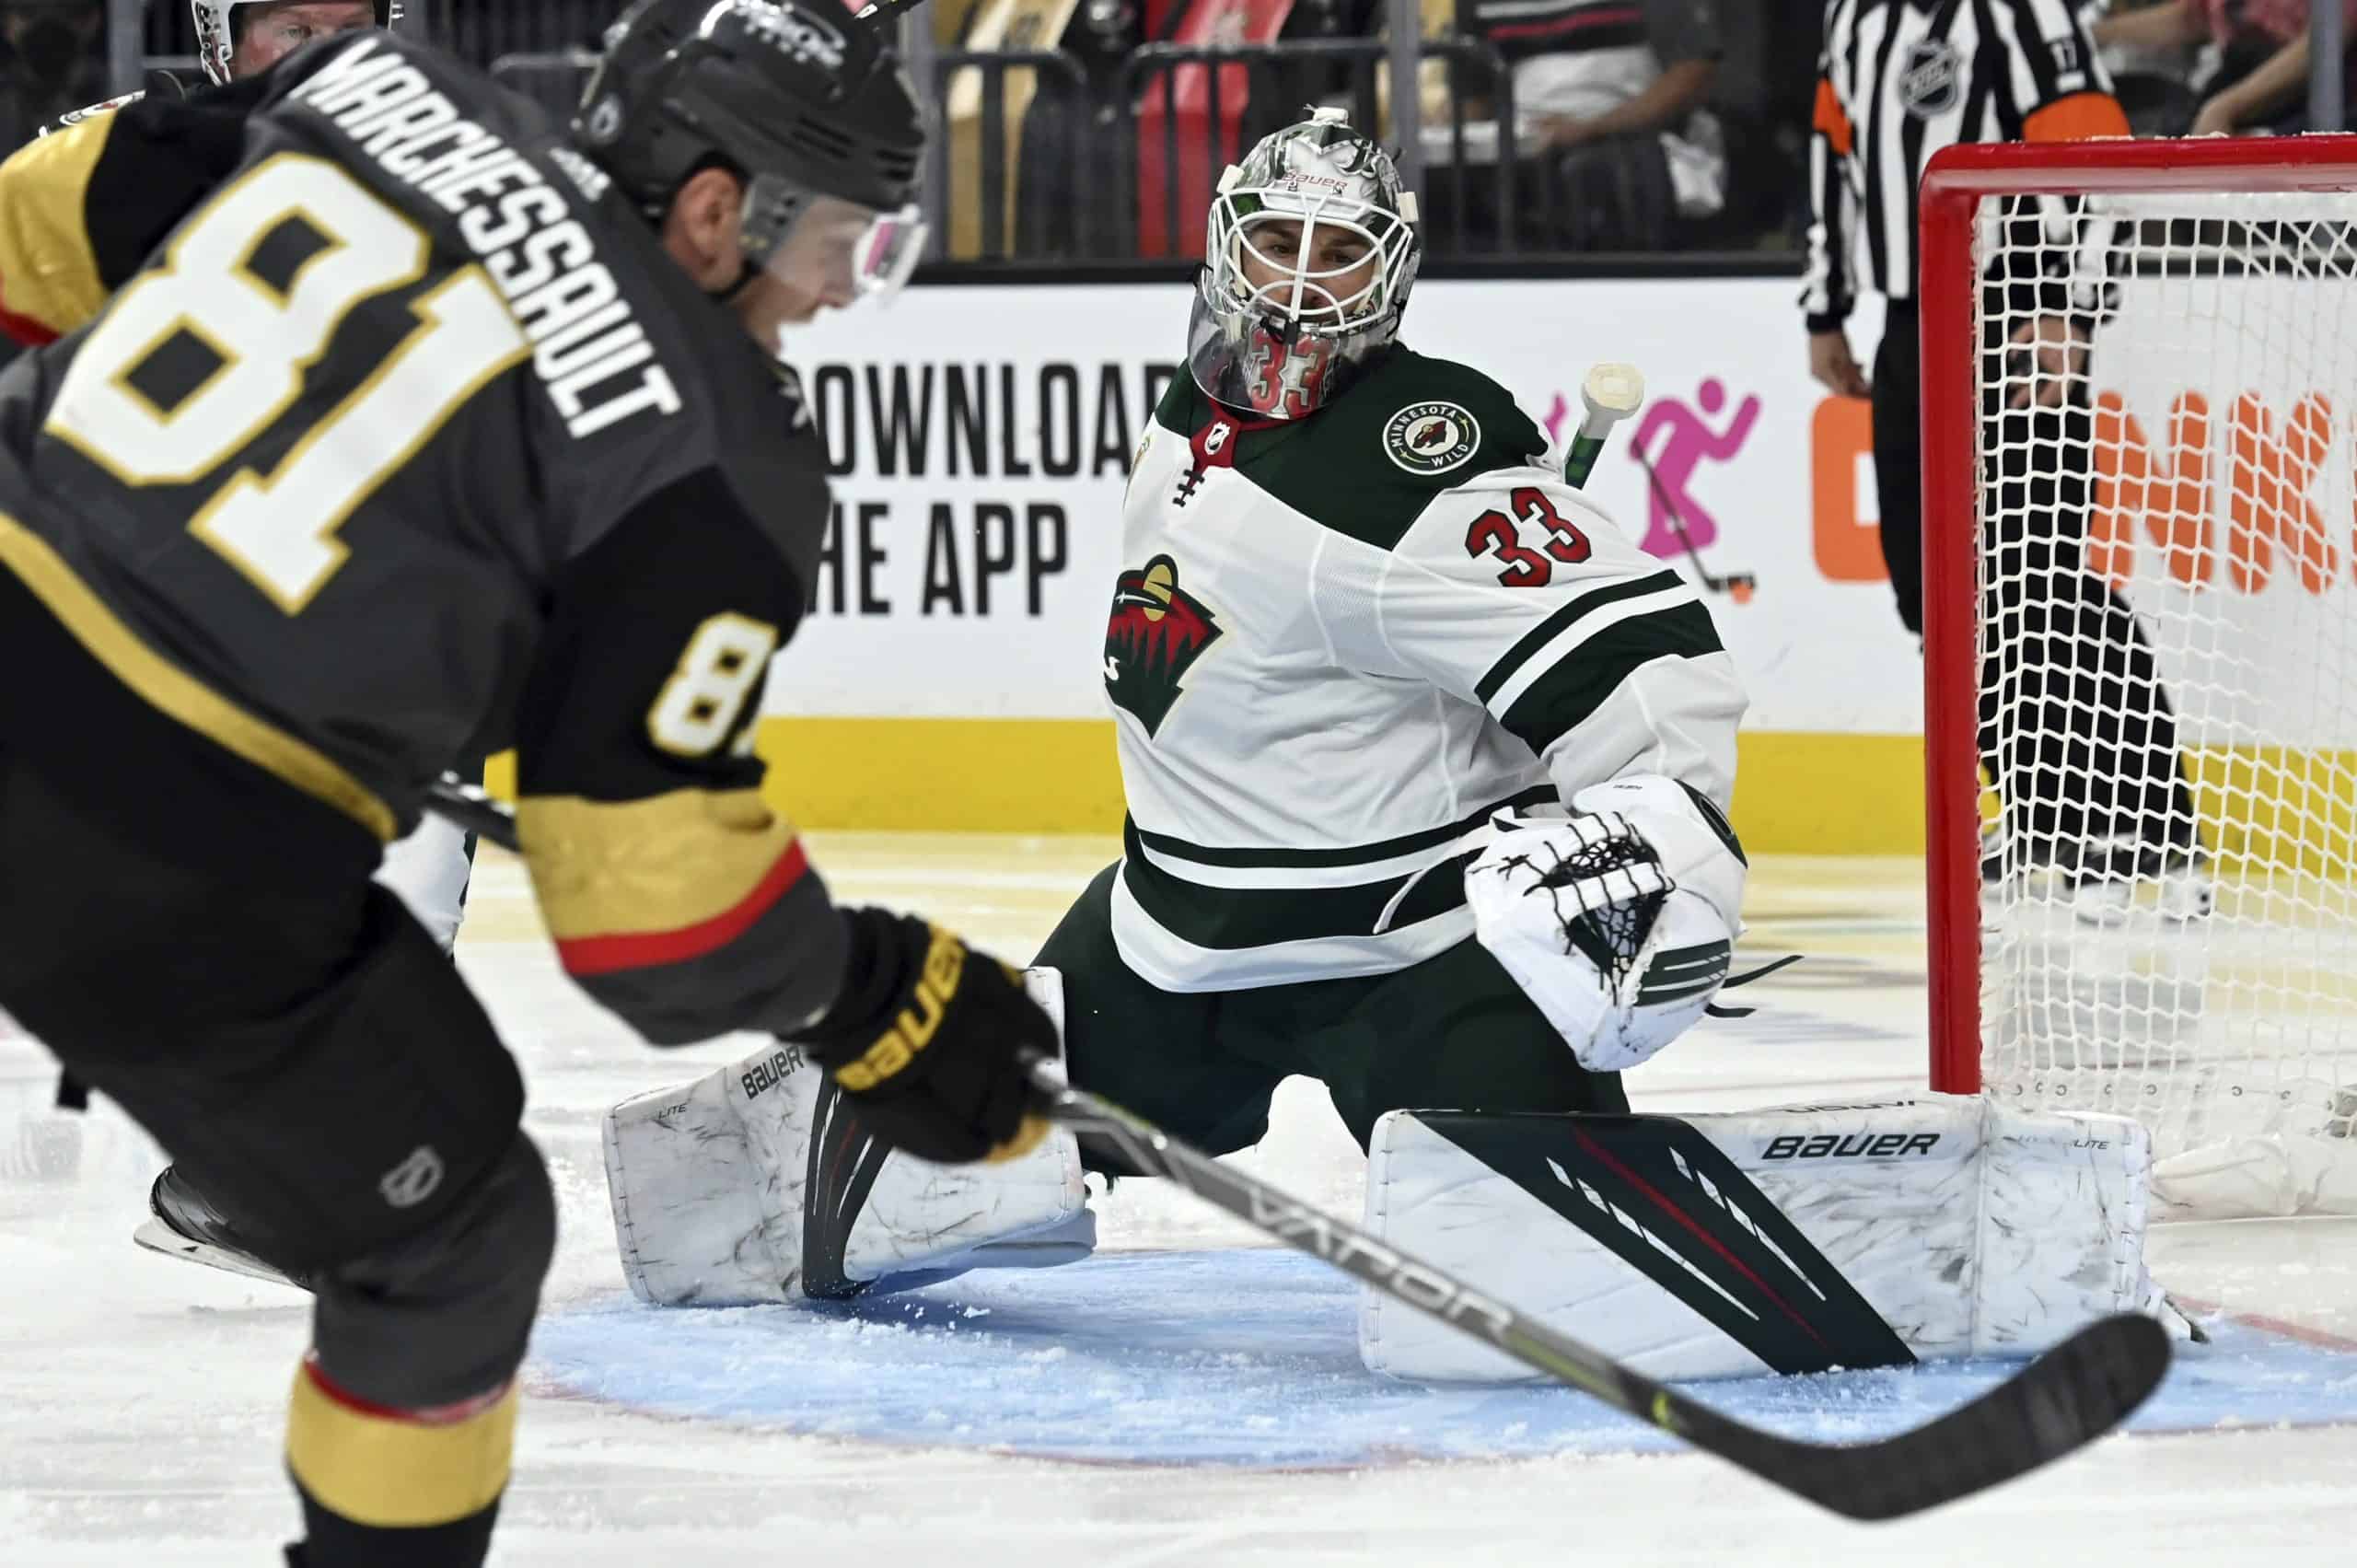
point(1156, 633)
point(1431, 438)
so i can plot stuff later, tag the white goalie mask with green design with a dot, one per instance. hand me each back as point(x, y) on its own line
point(1310, 252)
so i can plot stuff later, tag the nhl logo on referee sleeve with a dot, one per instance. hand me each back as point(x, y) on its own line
point(1931, 78)
point(1431, 438)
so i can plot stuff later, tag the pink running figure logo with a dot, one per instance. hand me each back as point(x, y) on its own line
point(1688, 441)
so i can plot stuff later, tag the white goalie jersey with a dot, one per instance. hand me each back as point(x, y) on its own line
point(1340, 644)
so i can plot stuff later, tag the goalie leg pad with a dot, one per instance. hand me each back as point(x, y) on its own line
point(1784, 1240)
point(755, 1184)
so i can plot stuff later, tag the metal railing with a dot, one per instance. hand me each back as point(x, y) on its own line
point(1040, 159)
point(987, 181)
point(1275, 75)
point(552, 78)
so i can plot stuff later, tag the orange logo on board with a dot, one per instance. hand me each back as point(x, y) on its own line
point(2162, 495)
point(2159, 494)
point(1845, 532)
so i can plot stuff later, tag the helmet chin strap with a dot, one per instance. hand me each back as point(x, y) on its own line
point(746, 273)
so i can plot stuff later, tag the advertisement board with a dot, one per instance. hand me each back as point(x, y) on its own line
point(981, 438)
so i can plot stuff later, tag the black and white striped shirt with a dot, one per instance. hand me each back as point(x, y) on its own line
point(1900, 79)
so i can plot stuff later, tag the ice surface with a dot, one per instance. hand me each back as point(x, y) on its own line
point(140, 1399)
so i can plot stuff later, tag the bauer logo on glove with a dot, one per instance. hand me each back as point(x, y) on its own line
point(913, 1028)
point(931, 1039)
point(1620, 922)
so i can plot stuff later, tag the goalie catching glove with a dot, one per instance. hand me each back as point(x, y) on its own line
point(1618, 922)
point(927, 1037)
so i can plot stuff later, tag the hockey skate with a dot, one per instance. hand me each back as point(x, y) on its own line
point(183, 1224)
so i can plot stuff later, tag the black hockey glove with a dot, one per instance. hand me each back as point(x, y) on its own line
point(926, 1038)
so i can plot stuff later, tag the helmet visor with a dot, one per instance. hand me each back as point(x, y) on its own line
point(887, 253)
point(837, 249)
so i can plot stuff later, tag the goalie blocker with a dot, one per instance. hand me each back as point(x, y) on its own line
point(1792, 1240)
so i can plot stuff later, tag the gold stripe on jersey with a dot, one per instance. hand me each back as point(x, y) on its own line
point(177, 694)
point(671, 863)
point(395, 1471)
point(49, 272)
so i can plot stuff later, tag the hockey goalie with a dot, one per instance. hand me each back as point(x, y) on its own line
point(1427, 770)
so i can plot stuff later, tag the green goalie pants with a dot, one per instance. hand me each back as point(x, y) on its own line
point(1452, 1033)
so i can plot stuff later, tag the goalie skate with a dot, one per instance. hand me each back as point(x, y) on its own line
point(2105, 882)
point(2116, 880)
point(182, 1225)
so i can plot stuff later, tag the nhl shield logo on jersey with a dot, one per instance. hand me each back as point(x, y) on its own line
point(1156, 633)
point(1931, 78)
point(1431, 438)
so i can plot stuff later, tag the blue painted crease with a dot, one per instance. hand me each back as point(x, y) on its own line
point(1248, 1358)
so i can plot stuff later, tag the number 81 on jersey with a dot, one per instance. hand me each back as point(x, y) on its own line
point(264, 339)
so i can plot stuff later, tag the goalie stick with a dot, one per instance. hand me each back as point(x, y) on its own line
point(1610, 393)
point(2073, 1394)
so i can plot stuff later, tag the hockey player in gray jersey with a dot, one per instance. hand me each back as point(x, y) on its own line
point(1427, 770)
point(427, 427)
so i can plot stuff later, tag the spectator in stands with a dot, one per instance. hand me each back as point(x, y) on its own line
point(2261, 83)
point(2154, 78)
point(1611, 109)
point(50, 63)
point(1765, 88)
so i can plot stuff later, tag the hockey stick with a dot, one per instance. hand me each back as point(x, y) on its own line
point(2066, 1398)
point(2063, 1400)
point(1611, 393)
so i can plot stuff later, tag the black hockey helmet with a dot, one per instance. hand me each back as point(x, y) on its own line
point(800, 100)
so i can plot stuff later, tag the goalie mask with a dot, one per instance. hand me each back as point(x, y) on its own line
point(1311, 250)
point(803, 103)
point(219, 28)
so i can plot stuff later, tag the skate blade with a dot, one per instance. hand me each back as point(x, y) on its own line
point(158, 1236)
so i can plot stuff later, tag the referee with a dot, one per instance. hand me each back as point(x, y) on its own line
point(2088, 767)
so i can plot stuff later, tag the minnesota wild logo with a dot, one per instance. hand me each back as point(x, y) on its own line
point(1156, 633)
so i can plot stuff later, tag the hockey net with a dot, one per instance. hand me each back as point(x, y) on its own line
point(2140, 604)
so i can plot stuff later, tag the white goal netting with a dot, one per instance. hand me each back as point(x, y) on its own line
point(2167, 685)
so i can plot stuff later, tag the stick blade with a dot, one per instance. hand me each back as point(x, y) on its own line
point(2081, 1388)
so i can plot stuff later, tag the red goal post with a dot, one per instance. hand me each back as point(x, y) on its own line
point(2182, 200)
